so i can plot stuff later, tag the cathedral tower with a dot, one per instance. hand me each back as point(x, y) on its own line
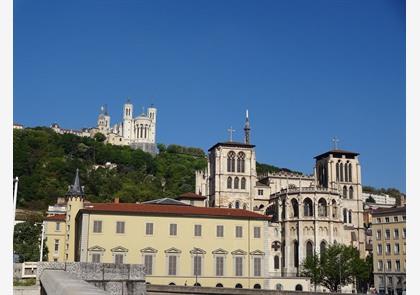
point(340, 170)
point(128, 120)
point(247, 129)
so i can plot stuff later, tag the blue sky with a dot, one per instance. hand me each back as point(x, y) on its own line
point(306, 70)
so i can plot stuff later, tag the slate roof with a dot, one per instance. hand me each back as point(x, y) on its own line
point(232, 144)
point(336, 153)
point(76, 189)
point(163, 209)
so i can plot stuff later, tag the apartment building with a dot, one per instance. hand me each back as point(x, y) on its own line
point(389, 249)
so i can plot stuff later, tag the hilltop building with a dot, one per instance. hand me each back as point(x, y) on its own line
point(138, 132)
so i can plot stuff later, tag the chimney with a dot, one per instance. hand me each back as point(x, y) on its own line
point(117, 200)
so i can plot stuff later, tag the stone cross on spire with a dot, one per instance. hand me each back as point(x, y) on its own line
point(231, 130)
point(335, 141)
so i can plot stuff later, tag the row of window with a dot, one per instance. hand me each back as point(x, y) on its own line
point(399, 282)
point(388, 248)
point(173, 265)
point(389, 265)
point(236, 183)
point(388, 234)
point(240, 167)
point(173, 229)
point(140, 131)
point(387, 219)
point(343, 172)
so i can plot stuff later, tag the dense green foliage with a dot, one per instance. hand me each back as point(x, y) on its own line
point(266, 168)
point(27, 241)
point(46, 163)
point(339, 265)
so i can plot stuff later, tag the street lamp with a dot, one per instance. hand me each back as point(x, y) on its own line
point(15, 182)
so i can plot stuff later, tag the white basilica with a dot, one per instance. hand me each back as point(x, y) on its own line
point(308, 212)
point(138, 132)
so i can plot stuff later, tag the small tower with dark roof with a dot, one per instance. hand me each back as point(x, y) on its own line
point(247, 129)
point(76, 190)
point(75, 202)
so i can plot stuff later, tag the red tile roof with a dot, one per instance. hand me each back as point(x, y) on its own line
point(191, 196)
point(156, 209)
point(56, 217)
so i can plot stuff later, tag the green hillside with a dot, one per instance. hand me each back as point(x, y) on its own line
point(46, 163)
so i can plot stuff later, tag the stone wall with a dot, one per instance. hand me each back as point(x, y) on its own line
point(117, 279)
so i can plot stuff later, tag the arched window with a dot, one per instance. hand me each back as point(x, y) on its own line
point(257, 286)
point(345, 215)
point(229, 182)
point(334, 209)
point(218, 285)
point(171, 284)
point(350, 172)
point(237, 204)
point(345, 192)
point(295, 207)
point(238, 286)
point(141, 130)
point(341, 171)
point(244, 207)
point(346, 172)
point(309, 249)
point(351, 192)
point(350, 217)
point(323, 247)
point(307, 207)
point(322, 207)
point(241, 162)
point(337, 171)
point(296, 253)
point(231, 161)
point(145, 131)
point(276, 262)
point(236, 183)
point(298, 287)
point(197, 285)
point(243, 183)
point(279, 287)
point(230, 205)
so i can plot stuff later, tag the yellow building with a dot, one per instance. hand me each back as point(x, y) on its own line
point(55, 231)
point(389, 249)
point(176, 242)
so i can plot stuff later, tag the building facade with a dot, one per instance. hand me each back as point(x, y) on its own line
point(389, 249)
point(308, 212)
point(138, 132)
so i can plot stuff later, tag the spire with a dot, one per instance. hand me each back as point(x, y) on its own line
point(247, 129)
point(76, 189)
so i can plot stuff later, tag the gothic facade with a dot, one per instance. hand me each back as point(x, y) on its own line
point(308, 212)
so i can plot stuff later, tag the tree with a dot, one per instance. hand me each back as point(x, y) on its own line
point(99, 137)
point(27, 241)
point(339, 265)
point(312, 268)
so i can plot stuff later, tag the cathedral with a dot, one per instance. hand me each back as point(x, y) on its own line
point(138, 132)
point(308, 212)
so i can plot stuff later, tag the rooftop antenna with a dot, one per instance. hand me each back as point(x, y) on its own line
point(231, 130)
